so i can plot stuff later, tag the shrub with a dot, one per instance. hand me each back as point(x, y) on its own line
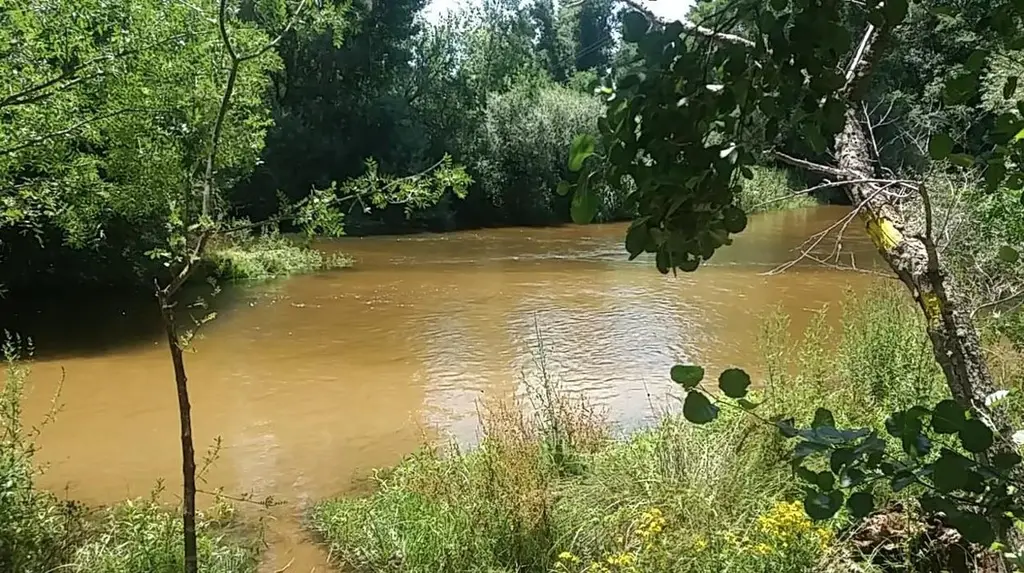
point(41, 534)
point(269, 256)
point(38, 532)
point(772, 189)
point(521, 149)
point(140, 536)
point(673, 497)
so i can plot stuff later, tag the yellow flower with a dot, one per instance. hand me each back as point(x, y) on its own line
point(700, 544)
point(762, 549)
point(566, 556)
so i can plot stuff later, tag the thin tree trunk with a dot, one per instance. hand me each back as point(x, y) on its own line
point(188, 456)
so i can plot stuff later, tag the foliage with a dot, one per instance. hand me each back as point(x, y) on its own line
point(672, 497)
point(771, 189)
point(268, 256)
point(139, 536)
point(42, 533)
point(39, 531)
point(82, 80)
point(521, 149)
point(924, 450)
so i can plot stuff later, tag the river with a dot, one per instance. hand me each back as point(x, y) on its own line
point(313, 381)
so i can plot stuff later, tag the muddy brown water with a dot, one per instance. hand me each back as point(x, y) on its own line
point(313, 381)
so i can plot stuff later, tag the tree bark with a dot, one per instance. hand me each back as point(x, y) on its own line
point(188, 455)
point(915, 260)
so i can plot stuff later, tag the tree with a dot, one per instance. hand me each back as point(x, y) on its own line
point(594, 39)
point(680, 126)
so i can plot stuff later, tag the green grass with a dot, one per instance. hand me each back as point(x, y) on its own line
point(772, 189)
point(40, 533)
point(269, 256)
point(674, 497)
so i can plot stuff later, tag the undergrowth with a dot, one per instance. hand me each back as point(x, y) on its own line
point(674, 497)
point(772, 189)
point(41, 533)
point(267, 256)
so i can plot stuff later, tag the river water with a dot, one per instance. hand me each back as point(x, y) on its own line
point(313, 381)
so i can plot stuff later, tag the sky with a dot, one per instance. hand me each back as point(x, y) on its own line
point(667, 9)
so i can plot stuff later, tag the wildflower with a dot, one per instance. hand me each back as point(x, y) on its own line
point(762, 549)
point(566, 556)
point(700, 544)
point(621, 559)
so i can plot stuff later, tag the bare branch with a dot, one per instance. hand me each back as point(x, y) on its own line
point(808, 165)
point(858, 57)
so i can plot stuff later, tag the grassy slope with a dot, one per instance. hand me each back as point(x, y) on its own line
point(675, 497)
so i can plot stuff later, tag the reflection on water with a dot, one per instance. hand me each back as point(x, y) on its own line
point(314, 380)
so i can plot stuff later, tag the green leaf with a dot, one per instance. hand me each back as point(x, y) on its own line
point(1008, 254)
point(687, 376)
point(949, 473)
point(636, 240)
point(1010, 87)
point(840, 458)
point(959, 89)
point(1006, 460)
point(948, 417)
point(976, 60)
point(861, 504)
point(804, 449)
point(940, 146)
point(563, 189)
point(851, 477)
point(807, 475)
point(698, 409)
point(734, 383)
point(975, 528)
point(735, 219)
point(823, 417)
point(895, 11)
point(975, 436)
point(583, 146)
point(822, 506)
point(747, 404)
point(826, 481)
point(779, 5)
point(585, 203)
point(634, 26)
point(962, 159)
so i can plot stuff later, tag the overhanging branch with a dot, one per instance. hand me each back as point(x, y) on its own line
point(692, 28)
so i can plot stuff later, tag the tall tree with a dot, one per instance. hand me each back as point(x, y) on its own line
point(595, 43)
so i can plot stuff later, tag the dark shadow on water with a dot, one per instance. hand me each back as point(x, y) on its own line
point(92, 323)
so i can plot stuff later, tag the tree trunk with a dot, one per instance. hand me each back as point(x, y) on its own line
point(188, 456)
point(915, 260)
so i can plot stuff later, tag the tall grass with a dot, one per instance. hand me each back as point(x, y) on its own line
point(40, 533)
point(674, 497)
point(772, 189)
point(267, 256)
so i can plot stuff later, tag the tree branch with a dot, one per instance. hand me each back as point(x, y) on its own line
point(21, 97)
point(691, 27)
point(810, 166)
point(42, 138)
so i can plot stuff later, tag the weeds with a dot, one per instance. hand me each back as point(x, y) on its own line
point(40, 533)
point(269, 256)
point(772, 189)
point(674, 497)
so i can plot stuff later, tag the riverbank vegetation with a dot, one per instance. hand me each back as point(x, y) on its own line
point(552, 490)
point(42, 532)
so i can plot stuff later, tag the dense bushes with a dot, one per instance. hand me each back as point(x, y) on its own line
point(675, 497)
point(40, 533)
point(520, 153)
